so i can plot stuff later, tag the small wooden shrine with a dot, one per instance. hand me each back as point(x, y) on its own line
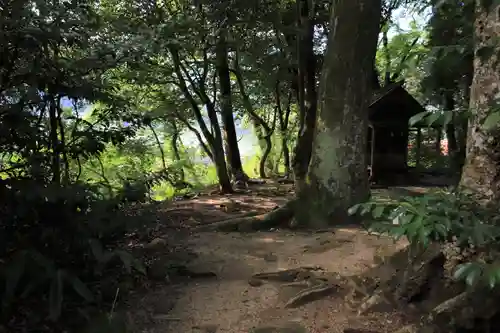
point(389, 114)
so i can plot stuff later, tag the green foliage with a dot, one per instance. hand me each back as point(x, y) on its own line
point(441, 216)
point(54, 238)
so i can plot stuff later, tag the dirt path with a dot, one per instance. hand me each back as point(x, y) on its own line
point(225, 301)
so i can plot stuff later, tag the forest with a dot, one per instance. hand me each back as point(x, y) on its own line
point(249, 166)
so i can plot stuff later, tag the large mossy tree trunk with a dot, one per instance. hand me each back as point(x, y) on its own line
point(337, 176)
point(481, 173)
point(232, 149)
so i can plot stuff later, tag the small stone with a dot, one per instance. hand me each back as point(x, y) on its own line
point(255, 282)
point(156, 244)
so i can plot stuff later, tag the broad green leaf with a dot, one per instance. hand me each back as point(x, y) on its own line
point(378, 211)
point(417, 118)
point(366, 208)
point(433, 118)
point(492, 276)
point(463, 270)
point(448, 118)
point(138, 266)
point(43, 261)
point(441, 230)
point(81, 288)
point(398, 231)
point(492, 120)
point(354, 209)
point(96, 248)
point(474, 275)
point(423, 236)
point(126, 259)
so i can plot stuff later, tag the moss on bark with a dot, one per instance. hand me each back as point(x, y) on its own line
point(337, 175)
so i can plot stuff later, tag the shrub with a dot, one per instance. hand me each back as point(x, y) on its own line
point(445, 217)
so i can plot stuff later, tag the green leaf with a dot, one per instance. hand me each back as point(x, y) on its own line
point(138, 266)
point(378, 211)
point(474, 275)
point(463, 270)
point(354, 209)
point(366, 208)
point(43, 261)
point(96, 248)
point(56, 295)
point(492, 120)
point(81, 288)
point(448, 118)
point(417, 118)
point(441, 230)
point(423, 235)
point(398, 231)
point(492, 276)
point(126, 259)
point(434, 117)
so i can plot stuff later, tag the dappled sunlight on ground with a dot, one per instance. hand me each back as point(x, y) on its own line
point(226, 301)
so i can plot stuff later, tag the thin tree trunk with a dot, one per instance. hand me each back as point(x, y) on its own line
point(308, 100)
point(214, 138)
point(449, 106)
point(175, 140)
point(481, 173)
point(337, 177)
point(54, 142)
point(262, 130)
point(387, 57)
point(437, 141)
point(463, 123)
point(60, 122)
point(232, 151)
point(160, 146)
point(283, 120)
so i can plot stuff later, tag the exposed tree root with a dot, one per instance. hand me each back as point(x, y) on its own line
point(251, 181)
point(314, 292)
point(279, 217)
point(285, 180)
point(316, 283)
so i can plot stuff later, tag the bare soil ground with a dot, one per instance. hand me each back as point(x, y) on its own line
point(202, 281)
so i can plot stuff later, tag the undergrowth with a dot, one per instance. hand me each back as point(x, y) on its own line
point(455, 218)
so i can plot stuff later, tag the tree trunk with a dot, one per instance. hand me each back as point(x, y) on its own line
point(283, 122)
point(451, 133)
point(175, 140)
point(463, 124)
point(262, 130)
point(54, 142)
point(437, 142)
point(481, 173)
point(337, 177)
point(308, 106)
point(233, 152)
point(214, 138)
